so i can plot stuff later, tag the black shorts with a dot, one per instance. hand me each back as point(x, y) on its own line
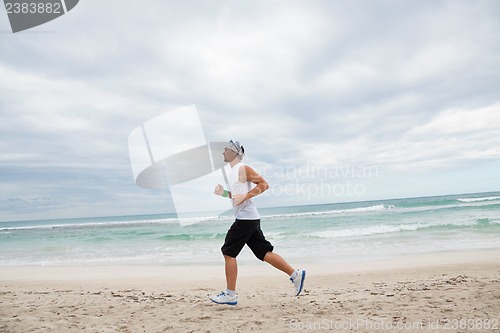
point(246, 232)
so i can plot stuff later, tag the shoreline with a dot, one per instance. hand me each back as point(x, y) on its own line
point(251, 268)
point(424, 293)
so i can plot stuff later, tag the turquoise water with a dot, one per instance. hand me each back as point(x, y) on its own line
point(325, 233)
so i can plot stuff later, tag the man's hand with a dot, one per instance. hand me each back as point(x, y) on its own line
point(239, 198)
point(219, 190)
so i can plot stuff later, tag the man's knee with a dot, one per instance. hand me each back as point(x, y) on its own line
point(267, 256)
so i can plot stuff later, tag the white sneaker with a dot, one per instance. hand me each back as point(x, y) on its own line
point(299, 281)
point(224, 298)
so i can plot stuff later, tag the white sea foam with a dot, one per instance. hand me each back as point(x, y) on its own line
point(384, 229)
point(358, 210)
point(356, 232)
point(478, 199)
point(109, 224)
point(385, 208)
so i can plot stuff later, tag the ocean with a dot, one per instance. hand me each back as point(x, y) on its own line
point(328, 233)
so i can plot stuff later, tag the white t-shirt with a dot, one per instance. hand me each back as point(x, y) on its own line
point(247, 210)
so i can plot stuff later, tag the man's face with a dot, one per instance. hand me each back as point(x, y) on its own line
point(229, 154)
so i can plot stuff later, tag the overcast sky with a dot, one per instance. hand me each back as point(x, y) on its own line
point(338, 100)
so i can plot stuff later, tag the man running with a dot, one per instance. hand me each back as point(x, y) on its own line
point(246, 228)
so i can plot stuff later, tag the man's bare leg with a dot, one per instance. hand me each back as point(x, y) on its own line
point(297, 276)
point(278, 262)
point(231, 272)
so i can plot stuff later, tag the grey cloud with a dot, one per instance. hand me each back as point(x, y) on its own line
point(281, 77)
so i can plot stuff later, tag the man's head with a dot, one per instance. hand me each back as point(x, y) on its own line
point(233, 150)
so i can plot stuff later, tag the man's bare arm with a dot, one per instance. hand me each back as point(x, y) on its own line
point(249, 174)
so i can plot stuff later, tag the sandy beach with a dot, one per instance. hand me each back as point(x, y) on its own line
point(445, 292)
